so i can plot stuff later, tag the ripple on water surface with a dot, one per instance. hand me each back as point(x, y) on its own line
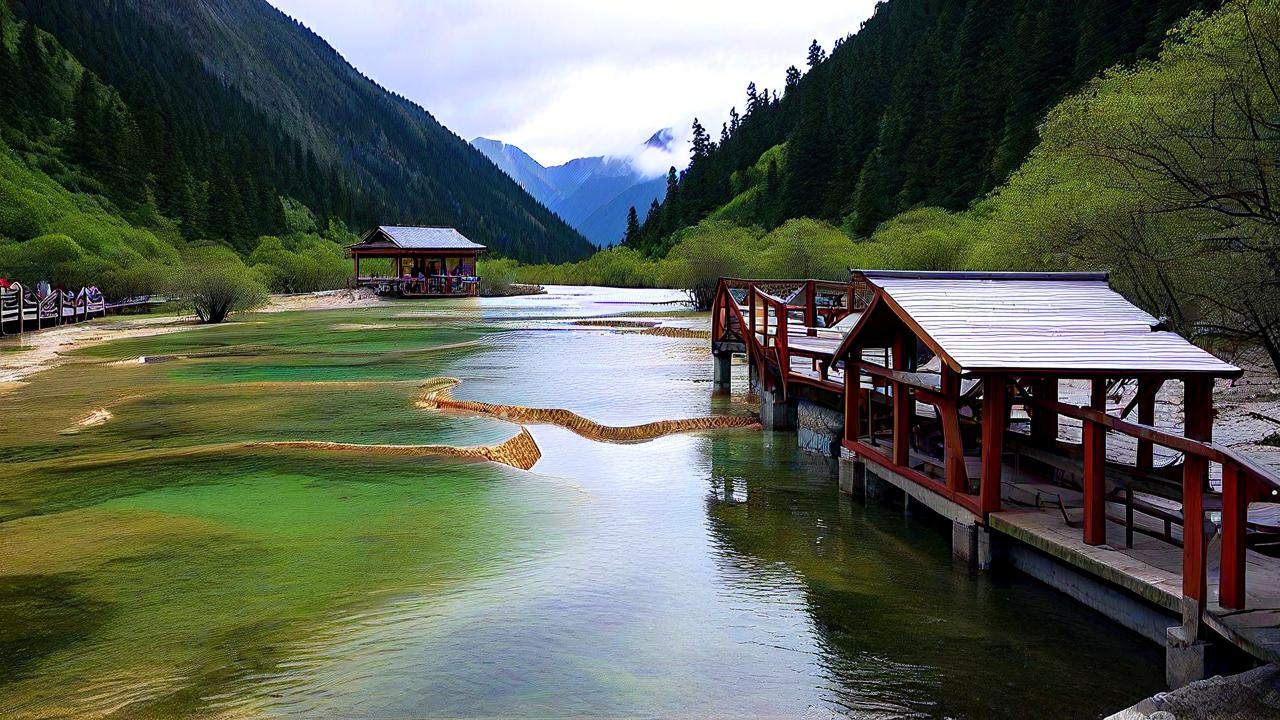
point(693, 575)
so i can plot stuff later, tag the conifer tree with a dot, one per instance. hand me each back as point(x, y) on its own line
point(34, 86)
point(8, 73)
point(816, 54)
point(793, 77)
point(631, 237)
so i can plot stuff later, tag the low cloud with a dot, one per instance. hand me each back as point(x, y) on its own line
point(567, 78)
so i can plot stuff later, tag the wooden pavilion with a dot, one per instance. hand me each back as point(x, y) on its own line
point(425, 261)
point(998, 400)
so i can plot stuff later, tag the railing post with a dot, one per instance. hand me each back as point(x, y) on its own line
point(1147, 388)
point(1198, 421)
point(852, 395)
point(952, 440)
point(1235, 509)
point(811, 307)
point(995, 409)
point(1094, 440)
point(1095, 483)
point(901, 402)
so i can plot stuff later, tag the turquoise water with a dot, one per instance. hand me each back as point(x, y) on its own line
point(714, 574)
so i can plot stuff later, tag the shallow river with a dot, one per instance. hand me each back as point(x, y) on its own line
point(152, 566)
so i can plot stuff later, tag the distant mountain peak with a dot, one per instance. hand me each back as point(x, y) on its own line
point(664, 139)
point(592, 194)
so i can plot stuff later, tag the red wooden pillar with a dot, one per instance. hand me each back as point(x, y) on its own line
point(1095, 484)
point(1235, 508)
point(995, 408)
point(1095, 469)
point(901, 402)
point(852, 396)
point(1198, 420)
point(952, 441)
point(811, 307)
point(355, 259)
point(1147, 388)
point(1044, 422)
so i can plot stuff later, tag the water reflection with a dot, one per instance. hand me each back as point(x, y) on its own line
point(697, 575)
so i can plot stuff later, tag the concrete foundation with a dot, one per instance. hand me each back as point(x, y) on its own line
point(776, 413)
point(1133, 613)
point(971, 543)
point(819, 429)
point(1185, 659)
point(851, 475)
point(722, 372)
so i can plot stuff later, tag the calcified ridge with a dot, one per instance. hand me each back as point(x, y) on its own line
point(436, 394)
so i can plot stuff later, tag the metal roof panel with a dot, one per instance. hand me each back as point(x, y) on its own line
point(1049, 323)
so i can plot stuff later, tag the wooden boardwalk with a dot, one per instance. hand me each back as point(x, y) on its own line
point(950, 385)
point(21, 310)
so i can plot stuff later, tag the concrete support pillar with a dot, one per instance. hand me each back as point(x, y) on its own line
point(972, 543)
point(776, 413)
point(1185, 659)
point(753, 377)
point(852, 473)
point(722, 372)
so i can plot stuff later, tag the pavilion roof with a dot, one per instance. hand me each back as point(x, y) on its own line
point(417, 238)
point(1035, 323)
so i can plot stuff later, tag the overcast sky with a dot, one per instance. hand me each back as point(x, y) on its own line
point(568, 78)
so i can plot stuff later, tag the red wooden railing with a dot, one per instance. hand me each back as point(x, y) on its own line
point(1243, 481)
point(20, 308)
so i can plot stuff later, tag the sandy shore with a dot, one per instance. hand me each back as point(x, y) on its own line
point(31, 352)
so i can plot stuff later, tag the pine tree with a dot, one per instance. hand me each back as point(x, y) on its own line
point(35, 86)
point(793, 77)
point(8, 73)
point(632, 235)
point(85, 141)
point(816, 54)
point(701, 141)
point(753, 98)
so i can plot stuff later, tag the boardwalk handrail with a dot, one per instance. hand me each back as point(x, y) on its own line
point(1243, 480)
point(20, 307)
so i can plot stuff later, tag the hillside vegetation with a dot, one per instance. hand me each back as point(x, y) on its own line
point(1159, 170)
point(931, 103)
point(131, 132)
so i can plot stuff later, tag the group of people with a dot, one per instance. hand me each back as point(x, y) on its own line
point(447, 279)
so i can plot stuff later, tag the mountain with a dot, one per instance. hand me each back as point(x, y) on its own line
point(592, 194)
point(931, 103)
point(234, 99)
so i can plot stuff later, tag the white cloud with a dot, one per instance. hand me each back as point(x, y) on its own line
point(567, 78)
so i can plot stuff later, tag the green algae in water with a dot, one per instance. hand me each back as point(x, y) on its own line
point(692, 575)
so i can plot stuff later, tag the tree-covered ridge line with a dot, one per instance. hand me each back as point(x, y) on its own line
point(206, 149)
point(72, 211)
point(931, 103)
point(1160, 171)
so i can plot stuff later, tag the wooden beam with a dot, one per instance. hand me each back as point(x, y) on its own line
point(1044, 421)
point(901, 402)
point(952, 439)
point(1198, 421)
point(852, 401)
point(1095, 469)
point(1235, 509)
point(1147, 388)
point(995, 413)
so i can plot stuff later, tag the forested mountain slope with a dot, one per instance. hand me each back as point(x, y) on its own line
point(931, 103)
point(230, 104)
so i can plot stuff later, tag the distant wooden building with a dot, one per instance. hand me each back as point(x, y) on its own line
point(424, 261)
